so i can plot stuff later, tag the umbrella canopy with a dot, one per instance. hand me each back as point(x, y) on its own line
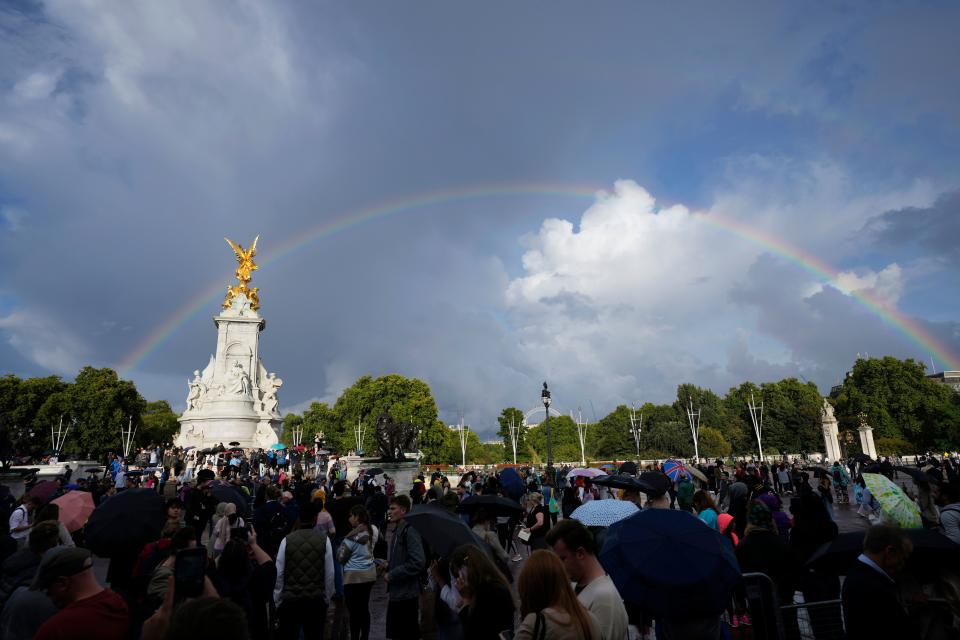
point(75, 509)
point(589, 472)
point(918, 475)
point(893, 501)
point(654, 483)
point(628, 467)
point(225, 492)
point(512, 483)
point(443, 531)
point(620, 481)
point(278, 446)
point(862, 457)
point(130, 519)
point(374, 472)
point(670, 564)
point(234, 444)
point(607, 466)
point(674, 469)
point(494, 505)
point(696, 473)
point(931, 551)
point(818, 472)
point(603, 513)
point(44, 490)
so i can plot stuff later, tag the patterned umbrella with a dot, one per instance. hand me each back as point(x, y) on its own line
point(894, 503)
point(586, 473)
point(603, 513)
point(674, 469)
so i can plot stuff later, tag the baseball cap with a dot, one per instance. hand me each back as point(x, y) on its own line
point(59, 562)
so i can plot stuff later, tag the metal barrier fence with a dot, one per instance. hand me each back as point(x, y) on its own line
point(756, 613)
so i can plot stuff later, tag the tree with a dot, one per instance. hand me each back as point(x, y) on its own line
point(563, 438)
point(713, 444)
point(434, 443)
point(513, 416)
point(160, 424)
point(899, 401)
point(612, 438)
point(98, 404)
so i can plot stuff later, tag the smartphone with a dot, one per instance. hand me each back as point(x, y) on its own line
point(239, 533)
point(189, 571)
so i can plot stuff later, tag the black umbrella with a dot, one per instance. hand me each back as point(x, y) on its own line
point(224, 492)
point(620, 481)
point(234, 444)
point(442, 530)
point(862, 457)
point(373, 472)
point(494, 505)
point(670, 564)
point(931, 551)
point(818, 472)
point(628, 467)
point(916, 474)
point(205, 474)
point(129, 519)
point(654, 483)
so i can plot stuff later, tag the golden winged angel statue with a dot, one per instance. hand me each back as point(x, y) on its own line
point(245, 269)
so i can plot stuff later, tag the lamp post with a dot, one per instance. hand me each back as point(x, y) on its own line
point(545, 398)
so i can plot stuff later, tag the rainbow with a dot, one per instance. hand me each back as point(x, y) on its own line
point(929, 344)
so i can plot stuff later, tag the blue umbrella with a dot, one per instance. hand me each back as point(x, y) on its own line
point(278, 446)
point(670, 564)
point(603, 513)
point(511, 483)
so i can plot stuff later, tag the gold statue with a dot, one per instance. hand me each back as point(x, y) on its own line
point(244, 272)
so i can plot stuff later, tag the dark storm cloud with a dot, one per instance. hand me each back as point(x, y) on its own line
point(934, 230)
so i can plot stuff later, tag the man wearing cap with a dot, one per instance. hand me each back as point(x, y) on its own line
point(66, 575)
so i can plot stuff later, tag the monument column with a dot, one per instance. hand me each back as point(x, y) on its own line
point(831, 440)
point(866, 437)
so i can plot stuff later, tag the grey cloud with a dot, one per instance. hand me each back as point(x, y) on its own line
point(933, 230)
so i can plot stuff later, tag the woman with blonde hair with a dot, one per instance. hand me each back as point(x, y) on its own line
point(537, 523)
point(548, 606)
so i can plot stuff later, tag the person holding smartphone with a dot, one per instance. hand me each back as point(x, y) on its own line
point(537, 522)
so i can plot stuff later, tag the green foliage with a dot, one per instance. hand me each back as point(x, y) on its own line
point(611, 438)
point(160, 424)
point(713, 444)
point(434, 445)
point(563, 438)
point(513, 416)
point(899, 401)
point(893, 447)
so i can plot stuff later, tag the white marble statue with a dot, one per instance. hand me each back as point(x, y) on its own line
point(240, 381)
point(196, 392)
point(827, 412)
point(269, 386)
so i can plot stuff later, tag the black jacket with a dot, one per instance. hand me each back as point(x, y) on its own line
point(871, 607)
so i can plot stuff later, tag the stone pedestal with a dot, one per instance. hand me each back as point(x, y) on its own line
point(234, 399)
point(866, 441)
point(831, 441)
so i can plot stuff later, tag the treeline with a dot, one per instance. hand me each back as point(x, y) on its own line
point(95, 406)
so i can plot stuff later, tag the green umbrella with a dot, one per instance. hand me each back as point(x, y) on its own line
point(894, 503)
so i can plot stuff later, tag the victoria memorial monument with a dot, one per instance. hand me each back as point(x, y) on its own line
point(234, 398)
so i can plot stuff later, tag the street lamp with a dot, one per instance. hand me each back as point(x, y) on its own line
point(545, 398)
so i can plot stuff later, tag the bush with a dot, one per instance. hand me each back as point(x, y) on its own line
point(893, 447)
point(713, 444)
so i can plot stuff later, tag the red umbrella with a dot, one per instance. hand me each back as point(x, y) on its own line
point(44, 490)
point(75, 509)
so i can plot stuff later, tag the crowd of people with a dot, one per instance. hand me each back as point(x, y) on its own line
point(295, 539)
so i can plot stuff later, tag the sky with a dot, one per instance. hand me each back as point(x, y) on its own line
point(614, 197)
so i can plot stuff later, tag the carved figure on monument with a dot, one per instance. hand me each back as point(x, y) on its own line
point(240, 381)
point(244, 272)
point(827, 412)
point(393, 438)
point(269, 385)
point(196, 393)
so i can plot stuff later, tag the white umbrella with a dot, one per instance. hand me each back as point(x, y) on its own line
point(603, 513)
point(589, 472)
